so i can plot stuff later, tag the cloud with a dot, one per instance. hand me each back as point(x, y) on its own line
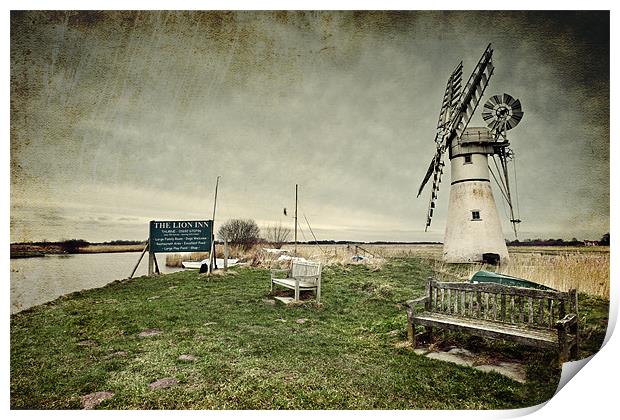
point(136, 113)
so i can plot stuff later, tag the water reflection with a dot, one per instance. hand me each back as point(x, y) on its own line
point(38, 280)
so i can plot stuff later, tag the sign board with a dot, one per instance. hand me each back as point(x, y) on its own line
point(180, 236)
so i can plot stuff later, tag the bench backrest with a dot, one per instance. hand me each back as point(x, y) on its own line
point(306, 269)
point(509, 304)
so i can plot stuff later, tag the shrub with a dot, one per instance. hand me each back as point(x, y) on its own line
point(71, 246)
point(277, 235)
point(241, 232)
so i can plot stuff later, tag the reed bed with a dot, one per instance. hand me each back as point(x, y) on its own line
point(588, 271)
point(562, 268)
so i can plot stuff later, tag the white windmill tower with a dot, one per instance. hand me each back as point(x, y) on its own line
point(473, 229)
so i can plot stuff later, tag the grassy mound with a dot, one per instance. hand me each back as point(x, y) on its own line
point(241, 350)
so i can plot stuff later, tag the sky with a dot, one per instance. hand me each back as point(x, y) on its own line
point(118, 118)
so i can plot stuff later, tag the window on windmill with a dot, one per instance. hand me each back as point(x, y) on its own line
point(475, 215)
point(467, 159)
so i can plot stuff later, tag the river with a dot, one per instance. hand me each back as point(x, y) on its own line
point(39, 280)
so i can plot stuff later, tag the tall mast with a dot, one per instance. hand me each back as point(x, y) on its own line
point(212, 252)
point(295, 252)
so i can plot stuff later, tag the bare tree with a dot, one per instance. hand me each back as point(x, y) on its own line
point(243, 232)
point(277, 235)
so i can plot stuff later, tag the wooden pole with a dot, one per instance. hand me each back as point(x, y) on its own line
point(139, 259)
point(225, 253)
point(212, 252)
point(151, 263)
point(156, 265)
point(295, 251)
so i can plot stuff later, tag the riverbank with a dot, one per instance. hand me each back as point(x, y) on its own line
point(188, 341)
point(41, 250)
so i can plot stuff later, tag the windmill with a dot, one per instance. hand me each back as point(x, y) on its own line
point(473, 229)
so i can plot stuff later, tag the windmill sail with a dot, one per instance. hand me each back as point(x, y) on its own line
point(457, 108)
point(451, 98)
point(474, 89)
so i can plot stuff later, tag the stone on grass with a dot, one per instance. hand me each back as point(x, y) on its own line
point(463, 357)
point(187, 358)
point(301, 320)
point(150, 332)
point(119, 353)
point(87, 343)
point(163, 383)
point(91, 401)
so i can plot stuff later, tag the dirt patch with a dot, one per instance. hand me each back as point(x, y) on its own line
point(187, 358)
point(163, 383)
point(150, 332)
point(91, 401)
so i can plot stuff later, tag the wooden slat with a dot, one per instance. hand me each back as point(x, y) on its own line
point(540, 337)
point(503, 307)
point(486, 305)
point(541, 308)
point(494, 307)
point(562, 309)
point(442, 292)
point(521, 302)
point(551, 308)
point(512, 309)
point(530, 319)
point(449, 306)
point(499, 288)
point(479, 304)
point(463, 302)
point(434, 298)
point(456, 302)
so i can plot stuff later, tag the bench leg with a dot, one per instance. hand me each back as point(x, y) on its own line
point(411, 327)
point(318, 293)
point(574, 351)
point(296, 292)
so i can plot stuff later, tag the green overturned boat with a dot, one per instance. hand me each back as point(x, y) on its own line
point(490, 277)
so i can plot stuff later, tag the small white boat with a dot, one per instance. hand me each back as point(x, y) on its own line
point(218, 261)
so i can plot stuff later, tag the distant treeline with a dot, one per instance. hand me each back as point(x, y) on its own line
point(604, 241)
point(70, 246)
point(332, 242)
point(79, 243)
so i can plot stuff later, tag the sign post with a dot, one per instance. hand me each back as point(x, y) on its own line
point(178, 236)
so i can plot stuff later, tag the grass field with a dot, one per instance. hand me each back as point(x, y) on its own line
point(250, 353)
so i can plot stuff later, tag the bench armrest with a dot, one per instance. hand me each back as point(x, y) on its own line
point(417, 301)
point(566, 322)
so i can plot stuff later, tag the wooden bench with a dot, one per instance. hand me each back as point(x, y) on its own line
point(539, 318)
point(303, 275)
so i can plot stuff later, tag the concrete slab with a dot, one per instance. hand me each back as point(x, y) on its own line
point(463, 357)
point(284, 299)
